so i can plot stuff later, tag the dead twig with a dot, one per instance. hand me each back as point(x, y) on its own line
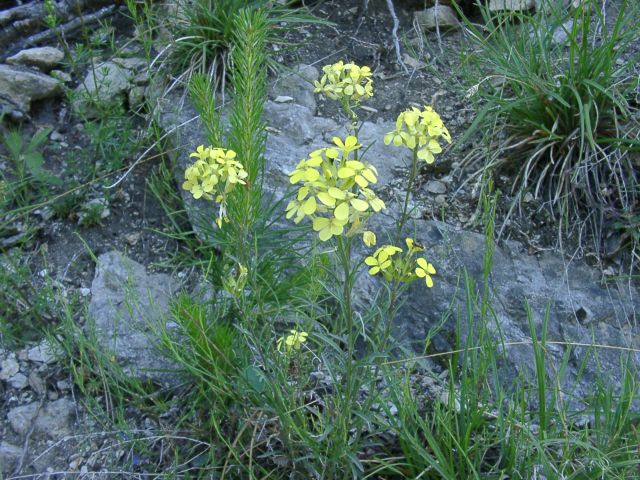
point(394, 34)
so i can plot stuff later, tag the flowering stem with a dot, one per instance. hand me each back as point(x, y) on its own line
point(344, 256)
point(404, 215)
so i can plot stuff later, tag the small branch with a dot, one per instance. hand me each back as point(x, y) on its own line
point(394, 34)
point(70, 26)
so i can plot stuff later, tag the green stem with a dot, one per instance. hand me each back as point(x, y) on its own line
point(404, 215)
point(344, 256)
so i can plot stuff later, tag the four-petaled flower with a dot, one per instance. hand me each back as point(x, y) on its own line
point(425, 270)
point(292, 342)
point(369, 238)
point(345, 82)
point(381, 259)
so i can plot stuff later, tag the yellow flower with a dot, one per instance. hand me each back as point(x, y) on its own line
point(291, 342)
point(328, 227)
point(345, 82)
point(381, 259)
point(349, 145)
point(333, 191)
point(213, 175)
point(427, 152)
point(425, 270)
point(412, 245)
point(419, 130)
point(369, 238)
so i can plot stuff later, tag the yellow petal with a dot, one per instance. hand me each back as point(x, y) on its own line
point(359, 205)
point(342, 211)
point(326, 199)
point(310, 206)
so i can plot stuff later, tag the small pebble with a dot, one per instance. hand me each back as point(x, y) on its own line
point(18, 381)
point(436, 186)
point(56, 136)
point(441, 200)
point(8, 368)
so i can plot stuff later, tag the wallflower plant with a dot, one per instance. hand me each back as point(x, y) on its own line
point(214, 174)
point(419, 131)
point(293, 342)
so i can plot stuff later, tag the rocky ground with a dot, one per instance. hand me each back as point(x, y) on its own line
point(44, 425)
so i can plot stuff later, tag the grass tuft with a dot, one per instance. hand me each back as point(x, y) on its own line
point(556, 96)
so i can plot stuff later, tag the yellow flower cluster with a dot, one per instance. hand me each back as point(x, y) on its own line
point(345, 81)
point(419, 129)
point(292, 342)
point(400, 268)
point(335, 190)
point(213, 175)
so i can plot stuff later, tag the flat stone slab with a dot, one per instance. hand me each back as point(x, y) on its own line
point(127, 303)
point(583, 310)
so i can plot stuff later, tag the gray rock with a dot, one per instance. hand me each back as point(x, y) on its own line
point(298, 84)
point(8, 368)
point(437, 17)
point(136, 97)
point(41, 353)
point(18, 381)
point(37, 383)
point(512, 5)
point(44, 58)
point(297, 123)
point(21, 86)
point(126, 304)
point(561, 34)
point(20, 418)
point(582, 310)
point(9, 457)
point(52, 419)
point(435, 186)
point(60, 75)
point(106, 84)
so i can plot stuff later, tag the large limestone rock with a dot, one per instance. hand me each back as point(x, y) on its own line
point(126, 304)
point(44, 58)
point(437, 17)
point(297, 84)
point(53, 419)
point(583, 311)
point(107, 84)
point(20, 86)
point(512, 5)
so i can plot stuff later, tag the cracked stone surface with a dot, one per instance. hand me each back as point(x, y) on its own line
point(126, 304)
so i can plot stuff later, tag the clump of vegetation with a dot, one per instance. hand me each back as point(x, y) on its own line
point(204, 31)
point(555, 93)
point(26, 308)
point(27, 180)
